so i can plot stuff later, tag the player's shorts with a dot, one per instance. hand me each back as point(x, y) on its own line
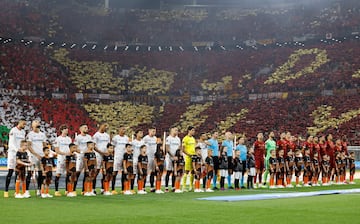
point(204, 154)
point(230, 163)
point(169, 164)
point(151, 164)
point(216, 163)
point(179, 172)
point(36, 163)
point(252, 171)
point(244, 166)
point(259, 163)
point(61, 165)
point(99, 160)
point(11, 159)
point(118, 161)
point(142, 176)
point(188, 163)
point(79, 162)
point(210, 174)
point(135, 162)
point(352, 170)
point(223, 172)
point(237, 175)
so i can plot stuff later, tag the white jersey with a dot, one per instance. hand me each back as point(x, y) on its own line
point(119, 143)
point(62, 143)
point(136, 144)
point(174, 144)
point(150, 143)
point(37, 139)
point(81, 142)
point(101, 140)
point(15, 137)
point(204, 149)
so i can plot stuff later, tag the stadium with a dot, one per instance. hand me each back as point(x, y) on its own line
point(192, 82)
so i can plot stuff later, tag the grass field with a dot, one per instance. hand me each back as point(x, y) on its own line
point(184, 208)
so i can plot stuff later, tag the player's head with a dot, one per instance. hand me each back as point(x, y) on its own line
point(260, 136)
point(152, 131)
point(338, 141)
point(273, 153)
point(281, 152)
point(307, 151)
point(210, 152)
point(90, 145)
point(103, 127)
point(289, 153)
point(72, 147)
point(315, 155)
point(198, 150)
point(128, 148)
point(23, 145)
point(83, 129)
point(324, 157)
point(251, 150)
point(237, 153)
point(191, 130)
point(282, 135)
point(35, 125)
point(110, 148)
point(21, 124)
point(159, 148)
point(241, 140)
point(139, 134)
point(223, 149)
point(322, 138)
point(288, 135)
point(316, 139)
point(203, 136)
point(63, 129)
point(310, 138)
point(329, 137)
point(143, 150)
point(352, 154)
point(215, 135)
point(122, 130)
point(174, 131)
point(293, 138)
point(228, 135)
point(271, 134)
point(46, 151)
point(298, 153)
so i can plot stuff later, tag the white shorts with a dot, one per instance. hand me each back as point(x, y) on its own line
point(99, 160)
point(135, 163)
point(118, 161)
point(151, 164)
point(204, 154)
point(61, 165)
point(36, 163)
point(238, 175)
point(169, 166)
point(252, 172)
point(79, 162)
point(223, 173)
point(11, 160)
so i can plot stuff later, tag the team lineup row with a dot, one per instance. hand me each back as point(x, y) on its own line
point(141, 157)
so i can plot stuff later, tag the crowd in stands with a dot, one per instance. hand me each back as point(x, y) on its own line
point(87, 22)
point(171, 78)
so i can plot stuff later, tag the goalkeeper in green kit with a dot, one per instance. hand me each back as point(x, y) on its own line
point(270, 145)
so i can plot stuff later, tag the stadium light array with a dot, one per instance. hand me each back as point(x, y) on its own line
point(93, 47)
point(116, 47)
point(181, 48)
point(106, 47)
point(126, 48)
point(159, 48)
point(84, 45)
point(72, 46)
point(149, 48)
point(137, 48)
point(170, 48)
point(63, 44)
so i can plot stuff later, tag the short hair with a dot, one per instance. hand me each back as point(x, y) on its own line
point(197, 148)
point(71, 145)
point(62, 127)
point(137, 131)
point(83, 124)
point(190, 128)
point(352, 153)
point(89, 142)
point(23, 141)
point(127, 144)
point(143, 146)
point(45, 148)
point(109, 145)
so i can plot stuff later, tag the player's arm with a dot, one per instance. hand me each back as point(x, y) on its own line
point(175, 168)
point(18, 161)
point(184, 149)
point(86, 164)
point(139, 167)
point(32, 151)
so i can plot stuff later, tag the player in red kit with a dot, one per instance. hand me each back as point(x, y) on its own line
point(259, 152)
point(330, 151)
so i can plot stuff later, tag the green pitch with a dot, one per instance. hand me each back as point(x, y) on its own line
point(184, 208)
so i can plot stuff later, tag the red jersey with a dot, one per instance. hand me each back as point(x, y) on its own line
point(259, 149)
point(291, 146)
point(282, 144)
point(322, 149)
point(345, 148)
point(316, 148)
point(309, 145)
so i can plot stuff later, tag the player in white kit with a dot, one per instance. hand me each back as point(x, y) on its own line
point(172, 144)
point(37, 142)
point(16, 135)
point(101, 139)
point(137, 142)
point(203, 144)
point(61, 145)
point(150, 141)
point(119, 141)
point(81, 141)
